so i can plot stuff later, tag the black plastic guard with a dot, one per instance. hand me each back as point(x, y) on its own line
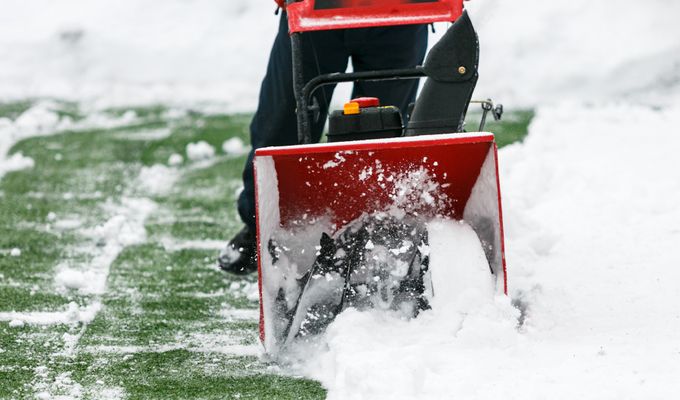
point(452, 71)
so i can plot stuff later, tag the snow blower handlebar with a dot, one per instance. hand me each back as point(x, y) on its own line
point(330, 79)
point(450, 69)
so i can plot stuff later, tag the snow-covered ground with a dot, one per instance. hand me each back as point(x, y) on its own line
point(592, 223)
point(590, 198)
point(178, 51)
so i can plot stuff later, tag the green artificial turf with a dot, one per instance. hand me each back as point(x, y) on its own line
point(164, 328)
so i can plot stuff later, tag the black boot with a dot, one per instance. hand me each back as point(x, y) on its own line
point(239, 256)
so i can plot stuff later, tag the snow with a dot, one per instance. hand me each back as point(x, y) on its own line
point(157, 179)
point(463, 310)
point(591, 218)
point(16, 323)
point(115, 52)
point(16, 162)
point(172, 244)
point(540, 52)
point(145, 135)
point(42, 119)
point(71, 314)
point(124, 228)
point(248, 290)
point(175, 160)
point(233, 314)
point(126, 52)
point(67, 224)
point(71, 279)
point(200, 150)
point(590, 197)
point(234, 146)
point(338, 159)
point(39, 119)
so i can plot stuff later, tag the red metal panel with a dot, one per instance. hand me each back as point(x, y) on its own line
point(306, 188)
point(379, 144)
point(324, 180)
point(314, 15)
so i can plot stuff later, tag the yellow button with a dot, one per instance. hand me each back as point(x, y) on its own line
point(351, 108)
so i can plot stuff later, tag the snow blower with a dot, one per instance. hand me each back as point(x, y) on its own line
point(344, 223)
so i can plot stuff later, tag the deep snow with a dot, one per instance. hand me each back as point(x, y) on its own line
point(591, 222)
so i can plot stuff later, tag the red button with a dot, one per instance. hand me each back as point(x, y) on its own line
point(367, 102)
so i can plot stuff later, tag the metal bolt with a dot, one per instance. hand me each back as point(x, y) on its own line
point(462, 70)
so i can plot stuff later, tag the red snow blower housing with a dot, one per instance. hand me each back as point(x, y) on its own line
point(344, 224)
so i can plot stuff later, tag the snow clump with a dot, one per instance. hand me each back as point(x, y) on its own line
point(200, 150)
point(234, 146)
point(16, 323)
point(175, 160)
point(157, 179)
point(71, 279)
point(16, 162)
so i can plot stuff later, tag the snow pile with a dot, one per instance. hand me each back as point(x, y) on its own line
point(591, 218)
point(199, 151)
point(465, 315)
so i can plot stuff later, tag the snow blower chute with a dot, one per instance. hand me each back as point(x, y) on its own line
point(344, 223)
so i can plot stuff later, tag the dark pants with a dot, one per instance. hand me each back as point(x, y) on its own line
point(275, 123)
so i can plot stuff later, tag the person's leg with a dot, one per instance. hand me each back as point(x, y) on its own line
point(275, 122)
point(388, 48)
